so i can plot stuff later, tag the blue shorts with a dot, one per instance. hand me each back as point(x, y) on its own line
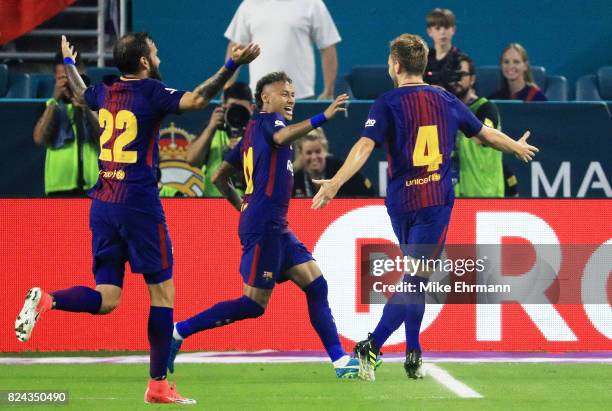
point(120, 235)
point(265, 257)
point(422, 233)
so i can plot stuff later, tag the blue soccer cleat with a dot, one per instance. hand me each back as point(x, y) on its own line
point(175, 347)
point(348, 371)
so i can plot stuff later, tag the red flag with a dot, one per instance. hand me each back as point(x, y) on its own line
point(21, 16)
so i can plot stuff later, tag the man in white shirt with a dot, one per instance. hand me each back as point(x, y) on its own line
point(286, 31)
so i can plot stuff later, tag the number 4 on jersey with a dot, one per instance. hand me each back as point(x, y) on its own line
point(427, 149)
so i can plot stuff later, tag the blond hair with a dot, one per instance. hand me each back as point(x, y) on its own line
point(411, 52)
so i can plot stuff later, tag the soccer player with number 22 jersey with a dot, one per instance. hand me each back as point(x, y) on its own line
point(126, 218)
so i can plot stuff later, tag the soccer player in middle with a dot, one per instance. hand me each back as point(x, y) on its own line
point(418, 124)
point(270, 251)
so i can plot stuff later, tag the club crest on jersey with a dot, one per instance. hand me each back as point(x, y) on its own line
point(370, 122)
point(268, 275)
point(279, 123)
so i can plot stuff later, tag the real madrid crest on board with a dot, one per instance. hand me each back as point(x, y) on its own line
point(176, 171)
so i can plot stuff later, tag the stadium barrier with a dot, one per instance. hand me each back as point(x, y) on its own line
point(46, 242)
point(574, 139)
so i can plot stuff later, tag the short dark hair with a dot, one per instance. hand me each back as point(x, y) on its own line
point(129, 49)
point(464, 57)
point(239, 91)
point(273, 77)
point(441, 18)
point(411, 52)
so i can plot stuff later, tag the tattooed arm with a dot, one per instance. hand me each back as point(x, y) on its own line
point(202, 94)
point(75, 82)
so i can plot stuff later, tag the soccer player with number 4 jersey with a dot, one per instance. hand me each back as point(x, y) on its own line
point(126, 217)
point(271, 253)
point(417, 123)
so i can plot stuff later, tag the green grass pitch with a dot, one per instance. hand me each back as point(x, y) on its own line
point(308, 386)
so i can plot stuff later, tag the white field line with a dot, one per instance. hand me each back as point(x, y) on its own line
point(450, 382)
point(246, 358)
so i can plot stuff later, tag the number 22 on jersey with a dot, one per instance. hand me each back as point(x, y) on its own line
point(427, 148)
point(124, 120)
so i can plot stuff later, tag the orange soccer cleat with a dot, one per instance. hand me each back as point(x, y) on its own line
point(162, 392)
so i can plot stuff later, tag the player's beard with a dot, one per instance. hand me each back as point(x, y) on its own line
point(154, 71)
point(395, 82)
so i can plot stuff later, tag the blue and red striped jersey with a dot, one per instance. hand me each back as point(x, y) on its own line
point(268, 172)
point(418, 125)
point(130, 113)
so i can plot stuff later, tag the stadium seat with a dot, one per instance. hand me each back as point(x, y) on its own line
point(3, 79)
point(97, 73)
point(42, 85)
point(488, 81)
point(369, 81)
point(19, 85)
point(342, 85)
point(595, 87)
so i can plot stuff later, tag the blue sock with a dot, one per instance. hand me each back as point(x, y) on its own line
point(77, 299)
point(393, 316)
point(160, 336)
point(396, 312)
point(415, 309)
point(322, 319)
point(219, 315)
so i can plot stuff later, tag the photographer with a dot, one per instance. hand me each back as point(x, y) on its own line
point(443, 58)
point(481, 169)
point(69, 131)
point(224, 130)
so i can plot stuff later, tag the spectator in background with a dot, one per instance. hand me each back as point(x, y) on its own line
point(70, 131)
point(481, 172)
point(517, 80)
point(223, 131)
point(442, 60)
point(315, 163)
point(286, 31)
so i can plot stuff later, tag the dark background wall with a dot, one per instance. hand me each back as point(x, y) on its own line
point(574, 139)
point(570, 38)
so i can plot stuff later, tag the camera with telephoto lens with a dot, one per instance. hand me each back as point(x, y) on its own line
point(236, 118)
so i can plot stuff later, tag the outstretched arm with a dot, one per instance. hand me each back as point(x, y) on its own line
point(75, 82)
point(221, 180)
point(500, 141)
point(356, 159)
point(289, 134)
point(202, 94)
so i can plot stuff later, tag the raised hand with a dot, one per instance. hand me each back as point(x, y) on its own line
point(245, 54)
point(68, 50)
point(525, 151)
point(339, 104)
